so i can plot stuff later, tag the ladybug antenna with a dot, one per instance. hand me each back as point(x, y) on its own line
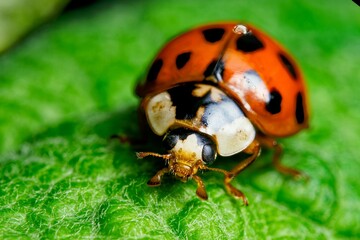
point(141, 155)
point(240, 29)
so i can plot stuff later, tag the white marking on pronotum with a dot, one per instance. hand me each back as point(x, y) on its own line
point(202, 89)
point(235, 137)
point(160, 113)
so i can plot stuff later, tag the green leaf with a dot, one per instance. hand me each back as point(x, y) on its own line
point(17, 17)
point(69, 86)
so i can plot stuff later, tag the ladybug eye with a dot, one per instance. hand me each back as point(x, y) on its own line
point(170, 141)
point(208, 153)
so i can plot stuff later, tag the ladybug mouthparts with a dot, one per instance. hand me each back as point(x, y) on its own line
point(183, 169)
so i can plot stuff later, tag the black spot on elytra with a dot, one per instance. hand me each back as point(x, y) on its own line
point(288, 65)
point(248, 43)
point(274, 104)
point(154, 70)
point(213, 34)
point(182, 59)
point(215, 68)
point(300, 116)
point(210, 69)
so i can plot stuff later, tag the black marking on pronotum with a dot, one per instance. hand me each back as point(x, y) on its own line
point(213, 35)
point(180, 133)
point(288, 65)
point(274, 104)
point(154, 70)
point(248, 43)
point(300, 116)
point(185, 102)
point(170, 141)
point(182, 59)
point(177, 134)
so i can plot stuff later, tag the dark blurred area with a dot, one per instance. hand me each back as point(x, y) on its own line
point(76, 4)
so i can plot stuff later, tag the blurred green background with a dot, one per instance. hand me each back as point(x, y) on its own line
point(67, 74)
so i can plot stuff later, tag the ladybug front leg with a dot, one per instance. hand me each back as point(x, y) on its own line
point(253, 149)
point(156, 179)
point(271, 143)
point(200, 192)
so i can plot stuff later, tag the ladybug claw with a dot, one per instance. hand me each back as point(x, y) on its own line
point(152, 183)
point(200, 192)
point(234, 191)
point(294, 173)
point(156, 180)
point(237, 193)
point(300, 176)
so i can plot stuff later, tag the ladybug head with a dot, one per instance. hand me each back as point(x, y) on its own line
point(190, 147)
point(188, 151)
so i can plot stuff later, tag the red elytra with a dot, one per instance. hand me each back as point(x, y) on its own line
point(256, 71)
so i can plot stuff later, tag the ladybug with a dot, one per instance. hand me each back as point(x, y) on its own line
point(221, 89)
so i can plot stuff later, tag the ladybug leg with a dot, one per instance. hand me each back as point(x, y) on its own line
point(121, 138)
point(156, 179)
point(271, 143)
point(201, 191)
point(253, 149)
